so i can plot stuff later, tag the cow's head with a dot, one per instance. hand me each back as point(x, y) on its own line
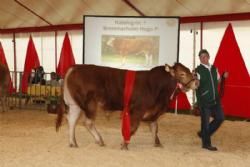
point(183, 76)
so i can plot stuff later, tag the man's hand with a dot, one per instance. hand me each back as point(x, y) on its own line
point(225, 74)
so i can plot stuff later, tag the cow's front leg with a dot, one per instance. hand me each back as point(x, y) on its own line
point(154, 129)
point(135, 121)
point(124, 146)
point(73, 115)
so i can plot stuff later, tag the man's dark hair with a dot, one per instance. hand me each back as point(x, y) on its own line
point(203, 51)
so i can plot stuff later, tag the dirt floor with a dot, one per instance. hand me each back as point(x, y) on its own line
point(28, 139)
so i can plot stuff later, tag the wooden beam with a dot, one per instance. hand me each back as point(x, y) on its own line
point(34, 13)
point(43, 28)
point(215, 18)
point(134, 7)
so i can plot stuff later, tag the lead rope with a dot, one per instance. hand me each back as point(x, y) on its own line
point(178, 86)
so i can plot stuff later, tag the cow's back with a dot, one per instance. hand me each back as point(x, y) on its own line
point(132, 46)
point(103, 84)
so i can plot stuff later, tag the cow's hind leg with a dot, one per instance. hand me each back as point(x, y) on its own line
point(73, 115)
point(91, 128)
point(154, 129)
point(90, 111)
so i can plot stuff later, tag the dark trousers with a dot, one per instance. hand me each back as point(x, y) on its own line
point(207, 127)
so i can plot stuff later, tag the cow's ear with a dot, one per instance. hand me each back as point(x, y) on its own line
point(169, 69)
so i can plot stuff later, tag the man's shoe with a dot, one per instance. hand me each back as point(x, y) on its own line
point(199, 134)
point(210, 148)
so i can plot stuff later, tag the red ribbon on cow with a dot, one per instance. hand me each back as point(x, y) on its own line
point(129, 85)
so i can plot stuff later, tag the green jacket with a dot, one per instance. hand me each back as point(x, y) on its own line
point(207, 92)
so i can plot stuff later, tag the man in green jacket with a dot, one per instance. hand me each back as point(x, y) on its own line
point(208, 99)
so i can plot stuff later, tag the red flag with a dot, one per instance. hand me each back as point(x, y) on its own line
point(3, 61)
point(182, 102)
point(31, 62)
point(66, 57)
point(237, 86)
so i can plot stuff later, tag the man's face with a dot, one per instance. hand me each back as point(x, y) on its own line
point(204, 58)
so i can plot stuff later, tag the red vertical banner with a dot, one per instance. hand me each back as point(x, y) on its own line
point(237, 86)
point(182, 102)
point(31, 62)
point(66, 57)
point(4, 62)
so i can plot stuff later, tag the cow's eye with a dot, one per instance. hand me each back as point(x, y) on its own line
point(182, 74)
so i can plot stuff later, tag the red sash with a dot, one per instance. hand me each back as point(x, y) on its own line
point(129, 84)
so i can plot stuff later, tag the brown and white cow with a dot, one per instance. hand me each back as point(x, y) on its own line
point(4, 82)
point(133, 46)
point(86, 86)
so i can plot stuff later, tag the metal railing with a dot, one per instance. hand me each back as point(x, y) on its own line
point(37, 97)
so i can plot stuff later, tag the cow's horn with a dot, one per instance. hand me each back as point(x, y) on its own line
point(167, 67)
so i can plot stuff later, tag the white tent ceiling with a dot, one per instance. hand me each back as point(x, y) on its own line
point(36, 13)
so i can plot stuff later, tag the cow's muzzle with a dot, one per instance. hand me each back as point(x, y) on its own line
point(192, 84)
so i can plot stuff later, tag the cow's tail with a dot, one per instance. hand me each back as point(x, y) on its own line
point(61, 109)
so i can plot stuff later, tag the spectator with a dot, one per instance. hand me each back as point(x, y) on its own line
point(39, 76)
point(54, 79)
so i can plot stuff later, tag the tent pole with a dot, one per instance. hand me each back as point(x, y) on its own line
point(34, 13)
point(55, 50)
point(201, 34)
point(15, 68)
point(194, 54)
point(130, 4)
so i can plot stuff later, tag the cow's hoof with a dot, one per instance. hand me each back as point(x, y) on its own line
point(124, 146)
point(159, 145)
point(100, 143)
point(73, 145)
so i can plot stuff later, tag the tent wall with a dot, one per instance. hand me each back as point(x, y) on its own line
point(212, 33)
point(193, 37)
point(48, 50)
point(45, 43)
